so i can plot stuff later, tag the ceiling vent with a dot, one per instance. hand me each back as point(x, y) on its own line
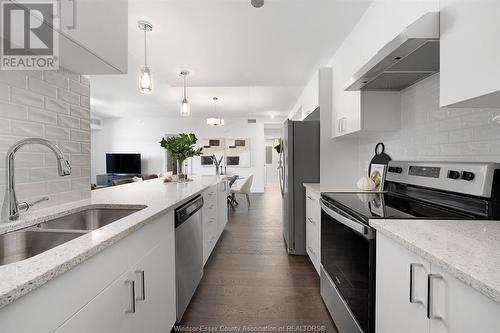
point(252, 121)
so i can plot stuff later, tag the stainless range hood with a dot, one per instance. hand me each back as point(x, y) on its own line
point(410, 57)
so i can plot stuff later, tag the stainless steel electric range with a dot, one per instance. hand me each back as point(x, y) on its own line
point(413, 190)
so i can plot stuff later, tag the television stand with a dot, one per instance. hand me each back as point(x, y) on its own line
point(107, 179)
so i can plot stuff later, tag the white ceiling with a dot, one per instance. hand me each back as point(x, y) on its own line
point(255, 60)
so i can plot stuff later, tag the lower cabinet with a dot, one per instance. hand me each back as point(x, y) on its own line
point(128, 287)
point(413, 295)
point(313, 228)
point(214, 216)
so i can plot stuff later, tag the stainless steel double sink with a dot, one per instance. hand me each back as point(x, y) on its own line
point(25, 243)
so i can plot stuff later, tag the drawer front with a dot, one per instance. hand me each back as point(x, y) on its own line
point(313, 228)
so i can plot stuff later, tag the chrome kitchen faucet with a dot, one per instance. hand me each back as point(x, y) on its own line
point(11, 208)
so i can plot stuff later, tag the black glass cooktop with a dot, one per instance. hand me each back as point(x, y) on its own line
point(391, 205)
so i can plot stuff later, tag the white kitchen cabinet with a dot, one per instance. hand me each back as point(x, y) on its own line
point(214, 216)
point(469, 53)
point(358, 113)
point(106, 313)
point(453, 307)
point(222, 206)
point(313, 228)
point(394, 311)
point(310, 96)
point(461, 308)
point(154, 277)
point(93, 36)
point(93, 296)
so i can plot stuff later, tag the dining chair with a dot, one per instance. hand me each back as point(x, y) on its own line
point(244, 189)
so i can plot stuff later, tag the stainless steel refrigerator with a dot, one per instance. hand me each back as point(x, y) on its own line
point(299, 164)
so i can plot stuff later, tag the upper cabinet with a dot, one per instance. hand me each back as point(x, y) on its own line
point(92, 35)
point(356, 113)
point(310, 96)
point(470, 53)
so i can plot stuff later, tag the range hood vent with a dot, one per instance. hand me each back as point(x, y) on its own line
point(410, 57)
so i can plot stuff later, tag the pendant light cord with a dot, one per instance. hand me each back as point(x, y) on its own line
point(145, 49)
point(184, 86)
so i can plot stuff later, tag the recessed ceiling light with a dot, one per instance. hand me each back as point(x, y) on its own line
point(257, 3)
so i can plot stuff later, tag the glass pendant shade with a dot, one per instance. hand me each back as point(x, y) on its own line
point(146, 81)
point(216, 122)
point(185, 108)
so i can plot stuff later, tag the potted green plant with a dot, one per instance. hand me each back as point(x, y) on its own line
point(181, 147)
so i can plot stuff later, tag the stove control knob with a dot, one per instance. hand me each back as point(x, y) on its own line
point(467, 175)
point(452, 174)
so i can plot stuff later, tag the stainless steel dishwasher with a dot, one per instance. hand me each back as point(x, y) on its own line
point(188, 252)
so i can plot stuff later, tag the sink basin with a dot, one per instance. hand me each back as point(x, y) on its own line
point(25, 243)
point(20, 245)
point(88, 219)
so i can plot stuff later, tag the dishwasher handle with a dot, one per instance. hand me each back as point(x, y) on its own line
point(184, 212)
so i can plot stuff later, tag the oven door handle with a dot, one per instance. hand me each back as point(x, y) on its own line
point(348, 221)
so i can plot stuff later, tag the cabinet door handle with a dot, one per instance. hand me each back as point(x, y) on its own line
point(412, 283)
point(430, 295)
point(311, 250)
point(311, 220)
point(131, 309)
point(142, 283)
point(310, 198)
point(338, 126)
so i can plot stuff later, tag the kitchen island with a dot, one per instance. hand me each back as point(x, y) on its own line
point(156, 202)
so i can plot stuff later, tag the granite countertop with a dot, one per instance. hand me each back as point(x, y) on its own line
point(19, 278)
point(468, 250)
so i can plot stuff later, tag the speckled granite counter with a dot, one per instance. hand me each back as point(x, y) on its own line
point(468, 250)
point(18, 279)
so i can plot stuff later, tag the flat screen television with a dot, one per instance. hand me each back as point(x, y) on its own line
point(123, 163)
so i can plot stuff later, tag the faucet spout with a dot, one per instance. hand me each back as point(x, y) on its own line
point(11, 207)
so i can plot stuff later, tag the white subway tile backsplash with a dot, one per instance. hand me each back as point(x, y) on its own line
point(85, 124)
point(429, 132)
point(80, 89)
point(42, 116)
point(57, 133)
point(57, 79)
point(77, 135)
point(68, 121)
point(68, 96)
point(4, 92)
point(85, 102)
point(37, 104)
point(85, 80)
point(70, 147)
point(41, 87)
point(26, 97)
point(80, 112)
point(13, 78)
point(56, 105)
point(13, 111)
point(4, 126)
point(26, 128)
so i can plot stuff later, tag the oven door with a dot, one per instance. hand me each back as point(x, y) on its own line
point(348, 259)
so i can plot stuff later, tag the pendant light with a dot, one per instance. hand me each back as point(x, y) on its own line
point(145, 80)
point(185, 108)
point(216, 122)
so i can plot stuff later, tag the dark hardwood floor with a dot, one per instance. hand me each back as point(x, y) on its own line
point(250, 281)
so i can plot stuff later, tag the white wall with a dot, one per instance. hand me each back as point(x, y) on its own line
point(142, 135)
point(53, 105)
